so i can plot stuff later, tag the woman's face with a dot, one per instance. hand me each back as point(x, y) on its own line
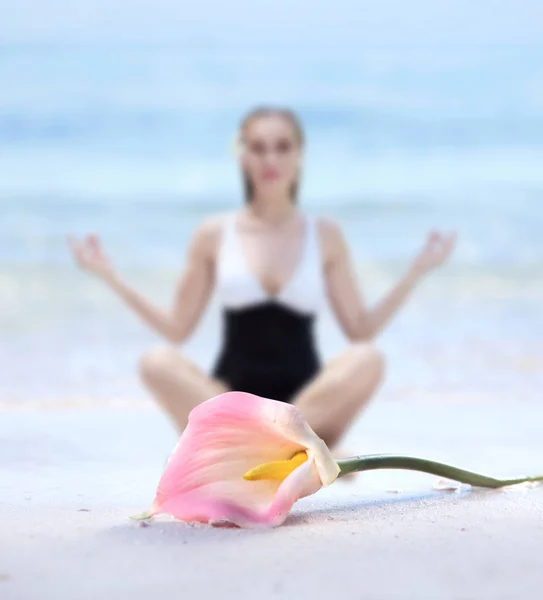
point(272, 154)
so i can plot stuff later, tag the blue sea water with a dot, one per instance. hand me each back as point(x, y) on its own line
point(133, 142)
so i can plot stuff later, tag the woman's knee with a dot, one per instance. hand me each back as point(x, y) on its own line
point(157, 362)
point(364, 353)
point(366, 362)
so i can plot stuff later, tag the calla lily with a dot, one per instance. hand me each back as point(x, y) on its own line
point(245, 460)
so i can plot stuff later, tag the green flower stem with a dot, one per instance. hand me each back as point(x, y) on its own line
point(388, 461)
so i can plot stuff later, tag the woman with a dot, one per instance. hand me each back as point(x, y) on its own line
point(272, 266)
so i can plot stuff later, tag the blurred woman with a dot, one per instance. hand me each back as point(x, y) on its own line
point(273, 267)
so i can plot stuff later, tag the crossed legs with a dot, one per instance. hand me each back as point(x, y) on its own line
point(330, 402)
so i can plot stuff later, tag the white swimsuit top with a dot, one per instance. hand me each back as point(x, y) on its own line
point(237, 287)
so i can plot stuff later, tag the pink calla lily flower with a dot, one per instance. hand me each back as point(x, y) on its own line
point(244, 460)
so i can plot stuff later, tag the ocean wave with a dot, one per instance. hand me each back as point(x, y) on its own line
point(332, 171)
point(359, 128)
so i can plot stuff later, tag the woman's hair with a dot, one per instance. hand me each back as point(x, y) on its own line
point(294, 122)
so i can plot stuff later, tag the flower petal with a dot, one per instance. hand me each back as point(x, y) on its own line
point(226, 437)
point(293, 426)
point(304, 481)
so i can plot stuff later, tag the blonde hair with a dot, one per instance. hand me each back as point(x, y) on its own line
point(239, 141)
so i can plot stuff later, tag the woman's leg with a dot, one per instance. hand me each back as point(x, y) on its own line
point(332, 400)
point(177, 384)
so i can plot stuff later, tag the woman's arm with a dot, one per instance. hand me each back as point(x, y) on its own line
point(194, 286)
point(357, 321)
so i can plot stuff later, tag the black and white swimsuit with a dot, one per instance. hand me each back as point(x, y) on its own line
point(268, 344)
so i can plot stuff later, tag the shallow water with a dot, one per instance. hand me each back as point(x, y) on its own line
point(134, 144)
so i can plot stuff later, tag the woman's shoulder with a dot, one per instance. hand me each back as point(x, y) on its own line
point(208, 232)
point(214, 224)
point(328, 228)
point(330, 236)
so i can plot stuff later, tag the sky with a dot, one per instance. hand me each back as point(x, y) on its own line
point(274, 22)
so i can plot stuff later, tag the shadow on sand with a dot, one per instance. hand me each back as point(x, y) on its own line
point(162, 530)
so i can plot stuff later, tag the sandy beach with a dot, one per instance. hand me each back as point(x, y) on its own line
point(419, 116)
point(69, 479)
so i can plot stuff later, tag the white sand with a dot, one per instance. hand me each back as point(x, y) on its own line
point(70, 479)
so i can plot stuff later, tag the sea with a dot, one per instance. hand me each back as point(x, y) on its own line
point(133, 142)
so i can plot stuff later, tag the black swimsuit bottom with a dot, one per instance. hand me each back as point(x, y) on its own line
point(268, 350)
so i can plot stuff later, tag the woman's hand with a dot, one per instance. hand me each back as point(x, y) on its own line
point(90, 256)
point(436, 251)
point(194, 287)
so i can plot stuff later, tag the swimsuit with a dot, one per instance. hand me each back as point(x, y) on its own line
point(268, 344)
